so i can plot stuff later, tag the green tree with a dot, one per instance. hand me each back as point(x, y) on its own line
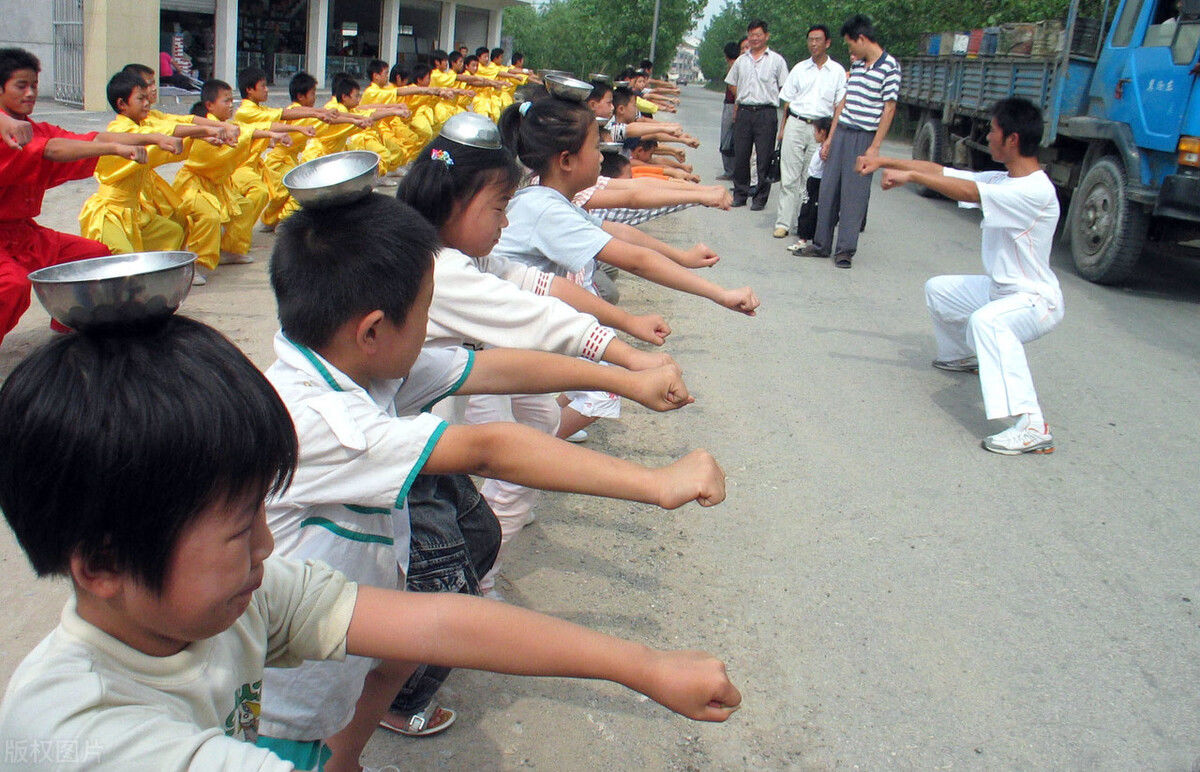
point(728, 25)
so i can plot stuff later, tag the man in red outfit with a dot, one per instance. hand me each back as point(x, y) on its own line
point(33, 158)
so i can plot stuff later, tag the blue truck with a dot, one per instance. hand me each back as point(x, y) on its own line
point(1121, 97)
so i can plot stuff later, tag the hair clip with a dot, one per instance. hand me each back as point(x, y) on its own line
point(524, 108)
point(438, 154)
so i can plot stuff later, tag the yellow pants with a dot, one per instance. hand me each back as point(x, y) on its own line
point(253, 199)
point(119, 222)
point(387, 150)
point(275, 167)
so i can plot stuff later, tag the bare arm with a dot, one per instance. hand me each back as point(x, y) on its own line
point(518, 371)
point(885, 123)
point(828, 143)
point(651, 328)
point(462, 631)
point(658, 268)
point(521, 454)
point(951, 187)
point(65, 150)
point(698, 256)
point(646, 193)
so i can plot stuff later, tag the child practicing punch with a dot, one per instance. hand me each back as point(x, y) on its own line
point(150, 502)
point(352, 372)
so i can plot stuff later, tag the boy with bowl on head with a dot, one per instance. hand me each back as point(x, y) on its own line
point(40, 156)
point(352, 371)
point(114, 475)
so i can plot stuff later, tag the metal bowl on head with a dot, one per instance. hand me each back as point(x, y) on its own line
point(568, 88)
point(560, 73)
point(473, 130)
point(602, 122)
point(611, 147)
point(115, 291)
point(601, 77)
point(621, 84)
point(333, 180)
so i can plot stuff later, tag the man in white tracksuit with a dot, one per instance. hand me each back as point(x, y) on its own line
point(981, 322)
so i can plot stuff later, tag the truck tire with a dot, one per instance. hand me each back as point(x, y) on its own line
point(930, 143)
point(1107, 229)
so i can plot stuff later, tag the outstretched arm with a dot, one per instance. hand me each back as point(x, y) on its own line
point(658, 268)
point(651, 328)
point(462, 631)
point(646, 193)
point(698, 256)
point(901, 171)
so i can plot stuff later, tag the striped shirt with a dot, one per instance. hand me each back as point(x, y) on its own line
point(867, 89)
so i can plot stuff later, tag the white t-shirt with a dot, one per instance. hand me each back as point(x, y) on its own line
point(1019, 218)
point(348, 502)
point(547, 231)
point(84, 700)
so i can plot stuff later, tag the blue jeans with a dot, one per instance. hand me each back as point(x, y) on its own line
point(455, 538)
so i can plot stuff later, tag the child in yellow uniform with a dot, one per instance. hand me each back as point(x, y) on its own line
point(210, 170)
point(441, 77)
point(113, 215)
point(252, 83)
point(484, 102)
point(510, 79)
point(346, 97)
point(398, 138)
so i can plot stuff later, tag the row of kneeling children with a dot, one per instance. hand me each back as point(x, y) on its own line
point(186, 585)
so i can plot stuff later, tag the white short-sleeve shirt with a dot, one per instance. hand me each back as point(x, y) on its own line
point(360, 451)
point(812, 91)
point(84, 700)
point(1019, 218)
point(548, 232)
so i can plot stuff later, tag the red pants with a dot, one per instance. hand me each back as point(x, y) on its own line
point(26, 246)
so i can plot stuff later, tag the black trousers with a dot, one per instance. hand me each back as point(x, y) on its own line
point(806, 222)
point(753, 130)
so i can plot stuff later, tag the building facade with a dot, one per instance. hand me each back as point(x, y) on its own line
point(83, 42)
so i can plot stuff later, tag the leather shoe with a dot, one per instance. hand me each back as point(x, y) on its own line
point(738, 201)
point(757, 205)
point(842, 259)
point(811, 251)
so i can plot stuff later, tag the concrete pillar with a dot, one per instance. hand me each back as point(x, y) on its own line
point(389, 27)
point(318, 37)
point(495, 18)
point(225, 42)
point(115, 32)
point(446, 32)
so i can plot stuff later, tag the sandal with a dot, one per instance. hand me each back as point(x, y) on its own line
point(424, 723)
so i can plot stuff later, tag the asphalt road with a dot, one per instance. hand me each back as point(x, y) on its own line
point(885, 592)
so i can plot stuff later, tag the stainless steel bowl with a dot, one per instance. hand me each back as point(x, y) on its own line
point(472, 129)
point(333, 180)
point(621, 84)
point(114, 291)
point(602, 122)
point(601, 77)
point(611, 147)
point(568, 88)
point(562, 73)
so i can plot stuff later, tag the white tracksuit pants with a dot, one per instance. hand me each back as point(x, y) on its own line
point(968, 320)
point(512, 503)
point(794, 154)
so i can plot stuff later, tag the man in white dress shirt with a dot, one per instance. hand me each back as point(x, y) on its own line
point(812, 90)
point(756, 78)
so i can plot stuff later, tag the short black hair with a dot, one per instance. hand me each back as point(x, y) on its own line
point(732, 50)
point(398, 71)
point(757, 24)
point(453, 57)
point(497, 52)
point(106, 451)
point(646, 65)
point(439, 55)
point(300, 84)
point(320, 285)
point(211, 90)
point(824, 123)
point(548, 127)
point(859, 25)
point(599, 89)
point(819, 28)
point(614, 164)
point(471, 58)
point(420, 71)
point(13, 59)
point(432, 186)
point(517, 56)
point(249, 78)
point(121, 86)
point(483, 50)
point(622, 96)
point(141, 70)
point(343, 86)
point(1019, 116)
point(376, 66)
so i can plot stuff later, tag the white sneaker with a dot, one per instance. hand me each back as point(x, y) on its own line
point(579, 436)
point(799, 245)
point(233, 258)
point(1020, 438)
point(198, 279)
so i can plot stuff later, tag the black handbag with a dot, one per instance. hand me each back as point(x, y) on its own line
point(775, 168)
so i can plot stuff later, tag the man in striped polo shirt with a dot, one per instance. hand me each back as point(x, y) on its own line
point(860, 124)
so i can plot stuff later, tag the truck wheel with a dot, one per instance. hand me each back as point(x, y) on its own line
point(1108, 230)
point(930, 143)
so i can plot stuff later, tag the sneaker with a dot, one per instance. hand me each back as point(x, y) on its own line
point(233, 258)
point(965, 365)
point(579, 436)
point(812, 251)
point(434, 719)
point(198, 279)
point(1021, 438)
point(780, 233)
point(798, 247)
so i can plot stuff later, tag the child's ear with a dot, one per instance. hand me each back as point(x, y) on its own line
point(96, 576)
point(366, 333)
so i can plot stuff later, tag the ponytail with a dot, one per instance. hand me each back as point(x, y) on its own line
point(446, 172)
point(545, 128)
